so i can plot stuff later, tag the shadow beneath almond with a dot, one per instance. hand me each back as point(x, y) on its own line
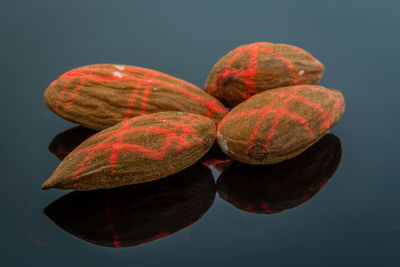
point(136, 214)
point(274, 188)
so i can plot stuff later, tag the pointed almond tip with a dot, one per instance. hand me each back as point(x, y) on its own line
point(47, 185)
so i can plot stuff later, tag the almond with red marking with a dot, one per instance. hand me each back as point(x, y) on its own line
point(279, 124)
point(138, 150)
point(253, 68)
point(100, 96)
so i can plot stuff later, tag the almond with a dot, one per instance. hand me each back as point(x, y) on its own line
point(138, 150)
point(100, 96)
point(279, 124)
point(253, 68)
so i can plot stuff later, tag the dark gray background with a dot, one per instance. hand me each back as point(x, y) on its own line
point(353, 220)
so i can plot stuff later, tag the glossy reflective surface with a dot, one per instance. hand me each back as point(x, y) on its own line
point(353, 220)
point(273, 188)
point(134, 215)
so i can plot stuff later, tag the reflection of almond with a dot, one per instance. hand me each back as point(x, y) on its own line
point(136, 214)
point(216, 158)
point(253, 68)
point(63, 143)
point(279, 124)
point(138, 150)
point(277, 187)
point(100, 96)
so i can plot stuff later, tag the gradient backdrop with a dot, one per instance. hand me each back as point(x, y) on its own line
point(353, 221)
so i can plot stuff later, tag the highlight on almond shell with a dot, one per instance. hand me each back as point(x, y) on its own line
point(274, 188)
point(100, 96)
point(280, 123)
point(66, 141)
point(136, 214)
point(253, 68)
point(138, 150)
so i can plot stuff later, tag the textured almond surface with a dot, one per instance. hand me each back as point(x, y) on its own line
point(138, 150)
point(285, 185)
point(100, 96)
point(136, 214)
point(279, 124)
point(253, 68)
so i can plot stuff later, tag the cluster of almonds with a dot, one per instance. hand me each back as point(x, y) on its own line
point(153, 125)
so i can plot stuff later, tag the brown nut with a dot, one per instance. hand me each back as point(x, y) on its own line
point(253, 68)
point(279, 124)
